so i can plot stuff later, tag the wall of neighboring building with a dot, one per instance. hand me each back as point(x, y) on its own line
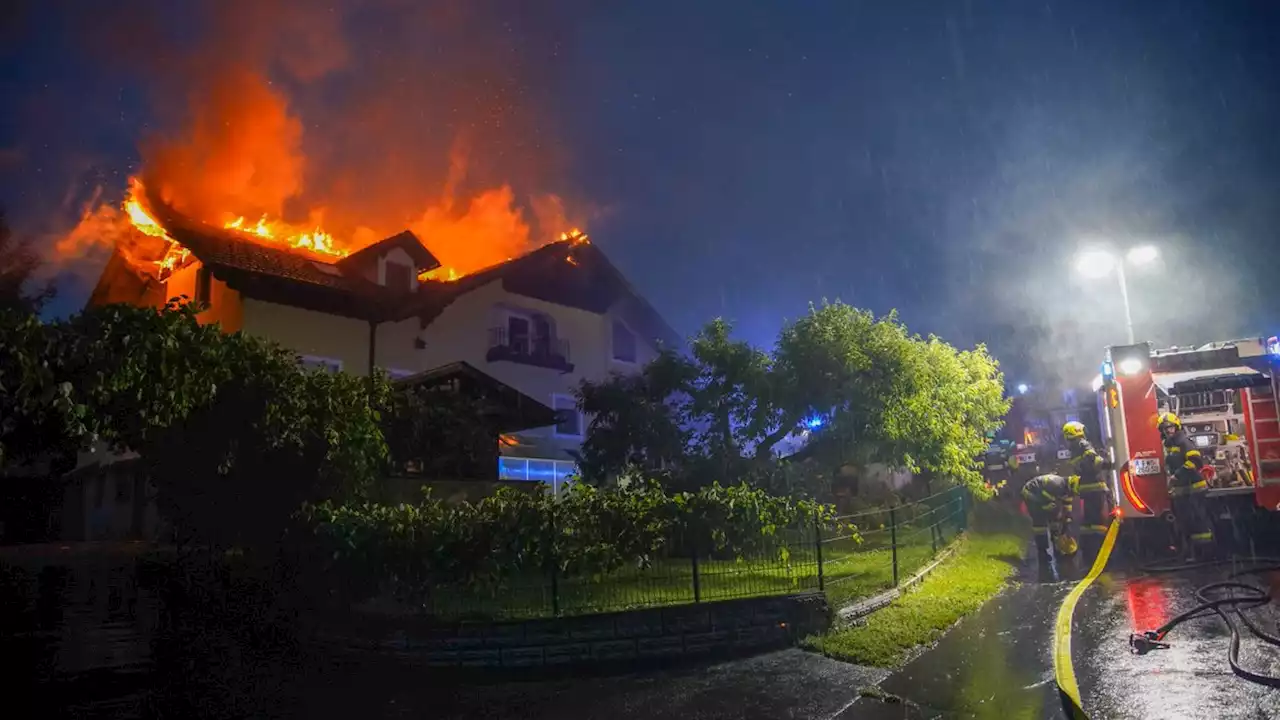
point(225, 305)
point(462, 332)
point(311, 333)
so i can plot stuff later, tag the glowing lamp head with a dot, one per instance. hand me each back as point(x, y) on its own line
point(1023, 389)
point(1131, 366)
point(1095, 263)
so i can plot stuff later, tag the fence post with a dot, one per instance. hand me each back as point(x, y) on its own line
point(554, 569)
point(817, 544)
point(893, 541)
point(697, 586)
point(934, 529)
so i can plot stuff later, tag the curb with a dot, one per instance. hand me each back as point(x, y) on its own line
point(864, 608)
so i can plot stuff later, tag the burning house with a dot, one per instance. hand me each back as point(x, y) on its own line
point(528, 329)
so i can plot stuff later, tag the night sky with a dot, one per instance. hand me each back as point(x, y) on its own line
point(742, 159)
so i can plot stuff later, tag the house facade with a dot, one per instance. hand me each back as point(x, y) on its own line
point(540, 323)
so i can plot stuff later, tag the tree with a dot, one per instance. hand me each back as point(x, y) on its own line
point(19, 265)
point(440, 432)
point(232, 431)
point(638, 420)
point(861, 389)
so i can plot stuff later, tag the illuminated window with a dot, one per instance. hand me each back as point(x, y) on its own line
point(554, 473)
point(1030, 437)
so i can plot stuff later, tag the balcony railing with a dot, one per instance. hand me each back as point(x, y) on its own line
point(539, 351)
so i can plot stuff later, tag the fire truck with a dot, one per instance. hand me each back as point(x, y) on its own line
point(1226, 394)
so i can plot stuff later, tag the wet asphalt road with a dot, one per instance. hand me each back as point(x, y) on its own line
point(1190, 679)
point(92, 645)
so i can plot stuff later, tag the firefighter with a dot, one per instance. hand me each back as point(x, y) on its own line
point(1090, 470)
point(1050, 499)
point(998, 462)
point(1188, 487)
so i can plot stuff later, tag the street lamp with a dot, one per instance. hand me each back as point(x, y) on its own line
point(1098, 263)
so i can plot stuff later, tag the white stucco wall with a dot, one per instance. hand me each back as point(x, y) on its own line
point(461, 332)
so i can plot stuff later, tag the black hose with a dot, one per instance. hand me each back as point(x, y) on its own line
point(1254, 597)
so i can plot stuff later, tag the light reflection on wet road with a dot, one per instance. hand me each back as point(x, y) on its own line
point(92, 643)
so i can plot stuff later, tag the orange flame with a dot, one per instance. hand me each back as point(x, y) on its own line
point(316, 241)
point(576, 236)
point(446, 274)
point(236, 152)
point(140, 218)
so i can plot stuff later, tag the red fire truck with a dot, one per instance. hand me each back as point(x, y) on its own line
point(1226, 396)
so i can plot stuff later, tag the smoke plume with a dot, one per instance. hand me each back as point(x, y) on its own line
point(364, 118)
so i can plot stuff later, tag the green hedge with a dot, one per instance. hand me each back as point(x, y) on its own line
point(408, 549)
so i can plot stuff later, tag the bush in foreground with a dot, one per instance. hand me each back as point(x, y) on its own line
point(410, 549)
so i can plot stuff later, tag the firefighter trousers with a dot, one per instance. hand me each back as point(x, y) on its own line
point(1093, 523)
point(1194, 524)
point(1043, 516)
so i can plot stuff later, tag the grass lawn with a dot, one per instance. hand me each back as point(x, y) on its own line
point(983, 564)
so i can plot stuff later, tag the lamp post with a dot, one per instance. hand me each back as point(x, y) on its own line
point(1097, 263)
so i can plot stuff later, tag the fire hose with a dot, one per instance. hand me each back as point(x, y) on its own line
point(1224, 607)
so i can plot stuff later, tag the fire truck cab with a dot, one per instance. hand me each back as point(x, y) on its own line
point(1226, 396)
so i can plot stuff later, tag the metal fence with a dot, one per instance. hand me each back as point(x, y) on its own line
point(886, 546)
point(891, 544)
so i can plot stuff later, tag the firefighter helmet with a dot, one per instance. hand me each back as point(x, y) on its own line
point(1168, 420)
point(1066, 545)
point(1073, 430)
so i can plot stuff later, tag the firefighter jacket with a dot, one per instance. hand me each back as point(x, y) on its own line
point(1183, 462)
point(1086, 464)
point(1047, 493)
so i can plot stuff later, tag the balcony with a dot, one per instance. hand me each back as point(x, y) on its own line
point(544, 352)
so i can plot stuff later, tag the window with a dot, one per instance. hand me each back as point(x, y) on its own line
point(397, 276)
point(624, 343)
point(566, 407)
point(555, 473)
point(202, 285)
point(541, 336)
point(518, 333)
point(312, 362)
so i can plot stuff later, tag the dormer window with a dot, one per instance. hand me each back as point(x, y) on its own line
point(397, 276)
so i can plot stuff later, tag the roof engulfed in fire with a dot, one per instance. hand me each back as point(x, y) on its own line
point(268, 262)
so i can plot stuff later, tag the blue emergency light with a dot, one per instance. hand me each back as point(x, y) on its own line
point(1108, 370)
